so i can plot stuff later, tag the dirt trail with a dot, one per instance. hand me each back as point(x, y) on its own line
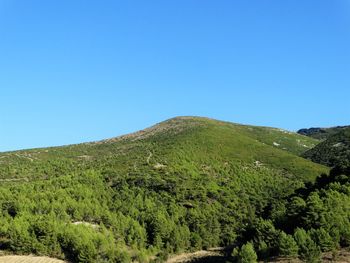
point(28, 259)
point(149, 157)
point(216, 255)
point(210, 255)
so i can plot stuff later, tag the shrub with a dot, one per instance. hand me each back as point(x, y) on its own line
point(287, 245)
point(247, 254)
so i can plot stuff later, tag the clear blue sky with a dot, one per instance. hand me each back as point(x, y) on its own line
point(74, 71)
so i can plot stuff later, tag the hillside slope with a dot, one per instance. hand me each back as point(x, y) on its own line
point(332, 151)
point(184, 184)
point(194, 139)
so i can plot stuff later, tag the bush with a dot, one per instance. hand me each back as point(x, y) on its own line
point(287, 245)
point(247, 254)
point(323, 239)
point(308, 249)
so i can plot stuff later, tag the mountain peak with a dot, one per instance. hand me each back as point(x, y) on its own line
point(173, 125)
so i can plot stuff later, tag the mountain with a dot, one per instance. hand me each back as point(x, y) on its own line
point(182, 139)
point(184, 184)
point(321, 133)
point(333, 150)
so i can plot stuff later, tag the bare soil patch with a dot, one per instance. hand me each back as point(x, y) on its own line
point(29, 259)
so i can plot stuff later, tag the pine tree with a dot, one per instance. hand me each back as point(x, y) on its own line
point(247, 254)
point(287, 245)
point(323, 239)
point(308, 249)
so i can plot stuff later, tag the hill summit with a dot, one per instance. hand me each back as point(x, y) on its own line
point(198, 139)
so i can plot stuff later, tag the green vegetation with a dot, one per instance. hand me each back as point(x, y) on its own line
point(312, 220)
point(183, 185)
point(247, 254)
point(288, 247)
point(171, 145)
point(335, 150)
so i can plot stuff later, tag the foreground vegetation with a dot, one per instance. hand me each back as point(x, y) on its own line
point(183, 185)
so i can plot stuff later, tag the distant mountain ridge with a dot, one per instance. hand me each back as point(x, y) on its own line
point(321, 133)
point(334, 150)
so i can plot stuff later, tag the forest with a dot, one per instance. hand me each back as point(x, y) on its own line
point(184, 185)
